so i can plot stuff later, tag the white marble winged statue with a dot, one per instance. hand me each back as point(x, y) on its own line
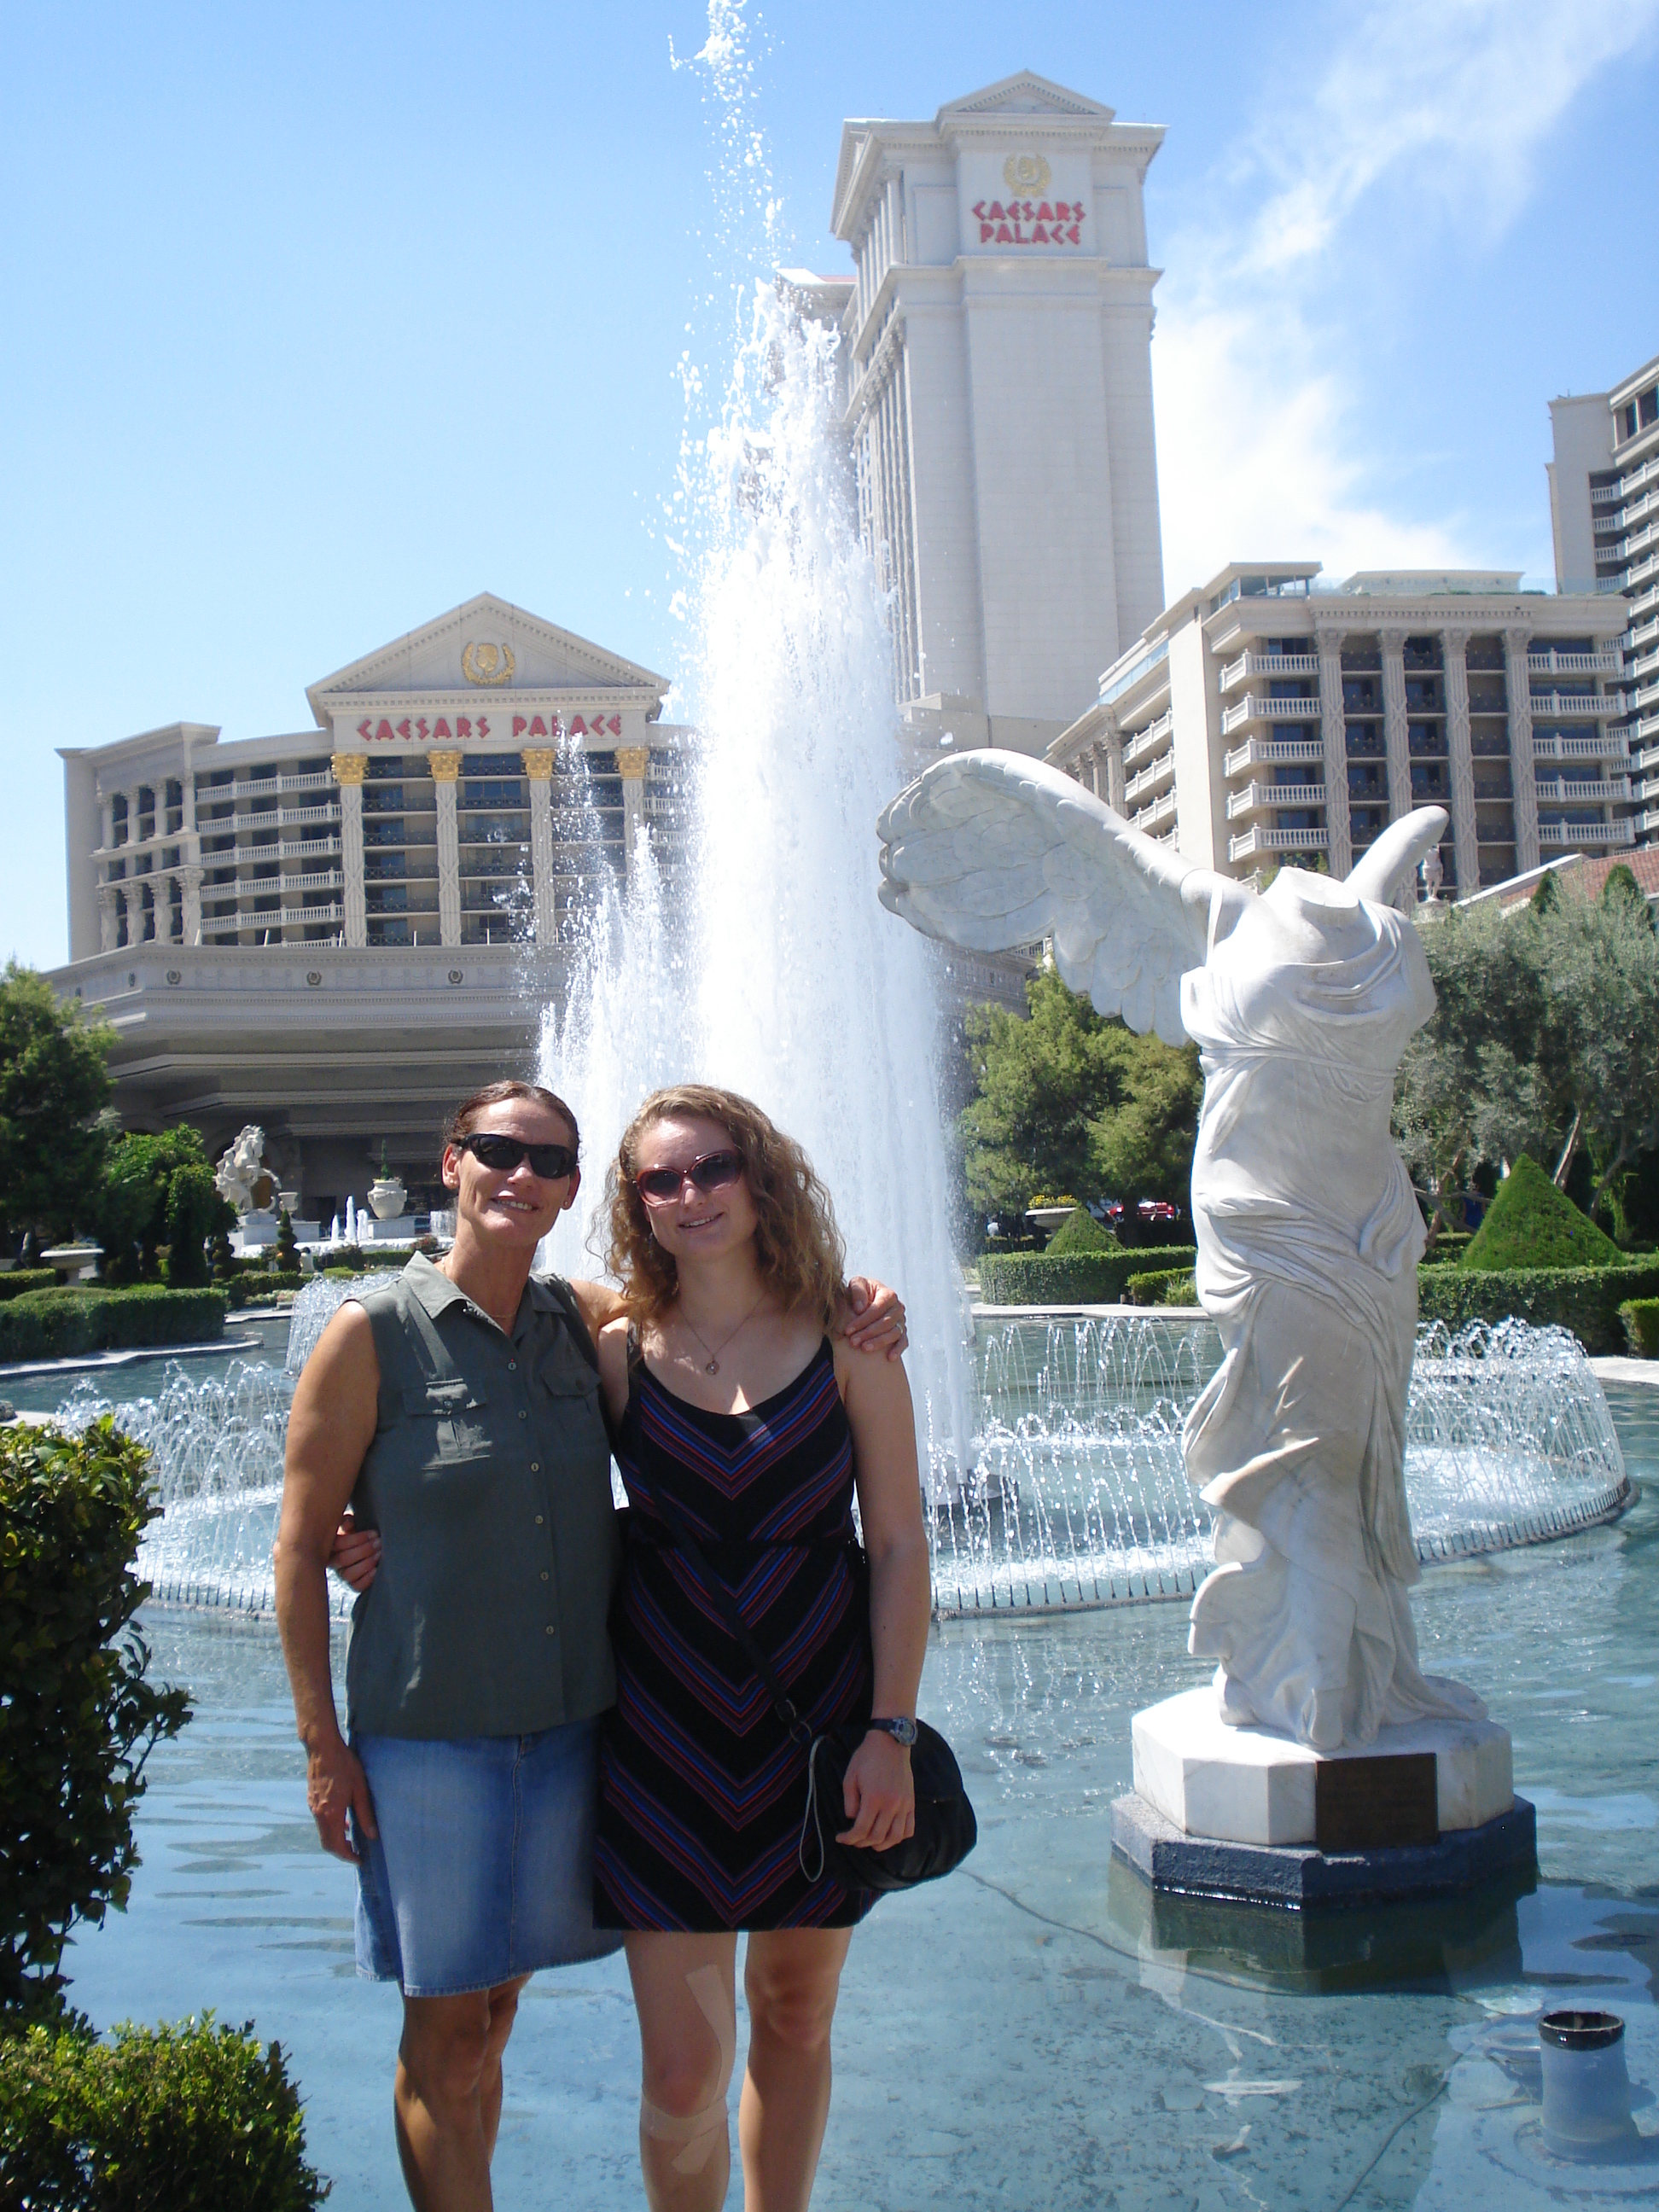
point(1301, 1000)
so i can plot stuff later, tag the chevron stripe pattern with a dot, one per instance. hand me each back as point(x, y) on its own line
point(702, 1790)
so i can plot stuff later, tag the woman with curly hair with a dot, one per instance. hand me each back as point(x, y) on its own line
point(741, 1419)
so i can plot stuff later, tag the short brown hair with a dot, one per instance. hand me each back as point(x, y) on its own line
point(802, 1258)
point(461, 1121)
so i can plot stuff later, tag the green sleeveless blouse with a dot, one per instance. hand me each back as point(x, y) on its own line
point(488, 1479)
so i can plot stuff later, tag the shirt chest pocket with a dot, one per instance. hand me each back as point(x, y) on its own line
point(453, 1416)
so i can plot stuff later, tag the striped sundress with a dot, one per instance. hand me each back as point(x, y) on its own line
point(702, 1790)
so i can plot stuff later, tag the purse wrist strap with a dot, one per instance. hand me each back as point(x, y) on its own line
point(723, 1598)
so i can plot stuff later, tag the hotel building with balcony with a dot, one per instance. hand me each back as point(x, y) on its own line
point(336, 932)
point(1604, 510)
point(1268, 717)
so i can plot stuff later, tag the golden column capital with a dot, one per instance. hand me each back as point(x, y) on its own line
point(348, 768)
point(538, 762)
point(632, 762)
point(446, 767)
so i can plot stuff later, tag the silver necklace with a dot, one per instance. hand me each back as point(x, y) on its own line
point(713, 1366)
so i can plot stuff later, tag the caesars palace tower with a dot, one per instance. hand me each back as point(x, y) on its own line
point(329, 931)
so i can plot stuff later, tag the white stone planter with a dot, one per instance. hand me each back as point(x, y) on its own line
point(387, 1197)
point(1050, 1217)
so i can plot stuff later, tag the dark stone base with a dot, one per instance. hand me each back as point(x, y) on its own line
point(1296, 1876)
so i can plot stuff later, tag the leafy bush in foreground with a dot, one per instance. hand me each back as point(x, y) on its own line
point(78, 1718)
point(63, 1324)
point(192, 2118)
point(1641, 1319)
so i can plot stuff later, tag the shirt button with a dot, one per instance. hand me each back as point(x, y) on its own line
point(523, 1416)
point(511, 1366)
point(538, 1520)
point(536, 1468)
point(544, 1574)
point(551, 1630)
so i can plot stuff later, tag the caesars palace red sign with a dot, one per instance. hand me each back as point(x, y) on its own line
point(1030, 222)
point(418, 731)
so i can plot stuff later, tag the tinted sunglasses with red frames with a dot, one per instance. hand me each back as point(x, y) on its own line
point(500, 1154)
point(714, 1171)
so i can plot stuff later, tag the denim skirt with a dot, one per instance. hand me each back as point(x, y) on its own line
point(483, 1870)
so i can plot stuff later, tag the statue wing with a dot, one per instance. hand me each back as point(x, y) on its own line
point(990, 849)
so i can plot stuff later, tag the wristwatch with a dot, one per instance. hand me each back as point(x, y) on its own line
point(902, 1731)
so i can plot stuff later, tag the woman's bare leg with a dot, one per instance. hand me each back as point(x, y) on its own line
point(791, 1978)
point(682, 1988)
point(448, 2097)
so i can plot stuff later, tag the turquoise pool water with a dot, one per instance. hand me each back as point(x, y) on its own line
point(1029, 2033)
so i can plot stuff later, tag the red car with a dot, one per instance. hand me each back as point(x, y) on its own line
point(1157, 1209)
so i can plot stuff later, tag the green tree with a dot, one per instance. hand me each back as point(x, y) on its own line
point(54, 1087)
point(1067, 1100)
point(287, 1251)
point(137, 1197)
point(195, 1212)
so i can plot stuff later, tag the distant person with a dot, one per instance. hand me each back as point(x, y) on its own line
point(458, 1409)
point(743, 1419)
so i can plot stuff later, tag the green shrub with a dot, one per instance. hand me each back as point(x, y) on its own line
point(78, 1718)
point(261, 1282)
point(1081, 1232)
point(1641, 1319)
point(195, 1211)
point(1081, 1279)
point(192, 2118)
point(1530, 1225)
point(65, 1324)
point(1586, 1300)
point(1168, 1286)
point(21, 1280)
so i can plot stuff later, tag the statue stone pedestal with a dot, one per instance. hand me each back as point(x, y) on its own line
point(1247, 1813)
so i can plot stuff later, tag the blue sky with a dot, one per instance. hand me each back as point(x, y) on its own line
point(321, 319)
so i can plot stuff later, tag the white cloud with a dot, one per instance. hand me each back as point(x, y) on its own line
point(1260, 455)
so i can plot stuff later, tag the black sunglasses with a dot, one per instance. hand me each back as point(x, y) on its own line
point(714, 1171)
point(552, 1162)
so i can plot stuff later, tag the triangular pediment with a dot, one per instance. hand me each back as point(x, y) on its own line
point(487, 647)
point(1026, 95)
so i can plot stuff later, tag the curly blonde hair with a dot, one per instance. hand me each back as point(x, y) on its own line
point(800, 1250)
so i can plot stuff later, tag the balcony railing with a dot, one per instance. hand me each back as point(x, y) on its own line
point(1583, 835)
point(1266, 752)
point(1161, 771)
point(281, 818)
point(1561, 793)
point(1151, 818)
point(1145, 743)
point(296, 917)
point(330, 880)
point(1255, 797)
point(1269, 665)
point(1612, 747)
point(263, 786)
point(1252, 708)
point(1575, 705)
point(1552, 663)
point(1257, 840)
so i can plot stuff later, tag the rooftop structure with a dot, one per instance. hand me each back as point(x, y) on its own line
point(997, 341)
point(1270, 717)
point(1604, 510)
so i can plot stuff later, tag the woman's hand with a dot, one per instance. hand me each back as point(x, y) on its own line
point(355, 1554)
point(875, 1318)
point(879, 1795)
point(336, 1785)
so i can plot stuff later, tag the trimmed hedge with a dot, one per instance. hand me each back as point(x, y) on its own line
point(63, 1324)
point(1078, 1278)
point(1531, 1224)
point(1586, 1300)
point(243, 1288)
point(1170, 1287)
point(196, 2119)
point(1641, 1319)
point(1081, 1232)
point(21, 1280)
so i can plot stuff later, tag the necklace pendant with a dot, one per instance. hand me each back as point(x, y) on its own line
point(712, 1368)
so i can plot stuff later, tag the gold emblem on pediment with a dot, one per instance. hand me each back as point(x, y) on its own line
point(1027, 175)
point(486, 664)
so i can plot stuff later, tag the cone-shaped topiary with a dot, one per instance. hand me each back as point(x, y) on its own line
point(1530, 1224)
point(1081, 1232)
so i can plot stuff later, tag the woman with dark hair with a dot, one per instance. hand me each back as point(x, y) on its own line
point(457, 1409)
point(743, 1421)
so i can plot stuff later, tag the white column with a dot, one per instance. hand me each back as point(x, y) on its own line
point(1113, 793)
point(1453, 650)
point(350, 770)
point(446, 767)
point(109, 904)
point(1395, 726)
point(1333, 735)
point(538, 771)
point(632, 762)
point(191, 877)
point(1524, 780)
point(107, 809)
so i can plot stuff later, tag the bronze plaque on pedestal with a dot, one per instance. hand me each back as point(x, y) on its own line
point(1369, 1804)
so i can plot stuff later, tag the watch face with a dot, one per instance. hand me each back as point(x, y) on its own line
point(902, 1731)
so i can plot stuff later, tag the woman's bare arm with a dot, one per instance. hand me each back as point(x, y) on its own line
point(330, 1427)
point(880, 1797)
